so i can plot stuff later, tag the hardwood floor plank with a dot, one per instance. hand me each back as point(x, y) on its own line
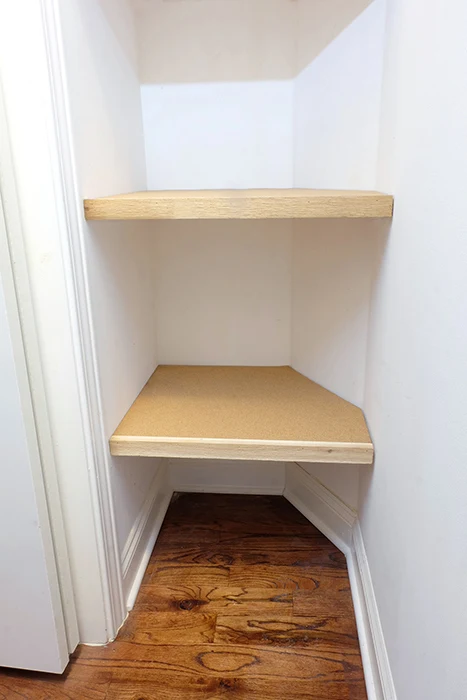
point(330, 595)
point(272, 541)
point(171, 535)
point(215, 599)
point(191, 575)
point(192, 554)
point(249, 550)
point(145, 627)
point(148, 662)
point(174, 686)
point(337, 634)
point(227, 510)
point(322, 590)
point(77, 683)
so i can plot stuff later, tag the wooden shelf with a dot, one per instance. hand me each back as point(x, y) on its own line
point(241, 204)
point(258, 413)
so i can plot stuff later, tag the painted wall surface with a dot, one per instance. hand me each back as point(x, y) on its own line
point(236, 93)
point(337, 97)
point(219, 135)
point(106, 115)
point(414, 515)
point(223, 292)
point(223, 476)
point(342, 481)
point(333, 269)
point(208, 41)
point(217, 92)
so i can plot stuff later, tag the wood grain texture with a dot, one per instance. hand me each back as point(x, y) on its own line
point(196, 574)
point(325, 633)
point(248, 551)
point(235, 515)
point(228, 660)
point(262, 413)
point(241, 204)
point(205, 631)
point(215, 599)
point(169, 628)
point(173, 685)
point(77, 683)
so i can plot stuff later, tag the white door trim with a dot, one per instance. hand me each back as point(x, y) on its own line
point(14, 266)
point(60, 634)
point(51, 232)
point(80, 312)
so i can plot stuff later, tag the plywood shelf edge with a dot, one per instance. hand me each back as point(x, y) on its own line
point(241, 204)
point(255, 450)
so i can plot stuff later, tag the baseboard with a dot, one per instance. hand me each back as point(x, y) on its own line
point(339, 523)
point(222, 476)
point(378, 677)
point(325, 510)
point(142, 538)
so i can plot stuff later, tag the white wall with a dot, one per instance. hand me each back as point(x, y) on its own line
point(211, 41)
point(219, 135)
point(337, 99)
point(414, 515)
point(333, 269)
point(104, 93)
point(217, 92)
point(223, 292)
point(222, 476)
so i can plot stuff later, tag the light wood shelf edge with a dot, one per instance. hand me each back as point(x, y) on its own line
point(258, 450)
point(240, 204)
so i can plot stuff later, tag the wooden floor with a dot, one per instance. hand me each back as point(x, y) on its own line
point(243, 598)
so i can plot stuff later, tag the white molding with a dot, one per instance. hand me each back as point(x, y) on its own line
point(11, 214)
point(68, 206)
point(142, 538)
point(43, 164)
point(222, 476)
point(378, 676)
point(340, 524)
point(327, 512)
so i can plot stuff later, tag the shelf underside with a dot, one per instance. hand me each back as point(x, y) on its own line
point(249, 413)
point(241, 204)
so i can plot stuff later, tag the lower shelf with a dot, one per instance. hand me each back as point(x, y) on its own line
point(250, 413)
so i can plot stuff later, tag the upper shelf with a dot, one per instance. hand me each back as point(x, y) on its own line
point(241, 204)
point(249, 413)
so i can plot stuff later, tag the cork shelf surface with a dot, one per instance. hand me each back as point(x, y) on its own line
point(261, 413)
point(241, 204)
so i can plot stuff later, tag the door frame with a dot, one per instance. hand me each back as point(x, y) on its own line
point(37, 456)
point(43, 215)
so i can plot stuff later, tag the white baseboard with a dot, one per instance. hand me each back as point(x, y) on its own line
point(142, 538)
point(325, 510)
point(378, 677)
point(222, 476)
point(339, 523)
